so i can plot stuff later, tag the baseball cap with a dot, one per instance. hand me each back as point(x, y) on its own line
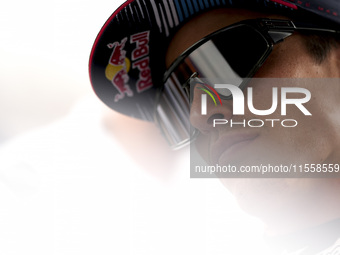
point(127, 62)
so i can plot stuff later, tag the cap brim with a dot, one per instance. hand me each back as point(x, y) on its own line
point(127, 59)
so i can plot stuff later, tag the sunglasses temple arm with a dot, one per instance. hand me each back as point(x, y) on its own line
point(291, 26)
point(315, 29)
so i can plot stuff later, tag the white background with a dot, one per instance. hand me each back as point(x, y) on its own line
point(44, 52)
point(52, 202)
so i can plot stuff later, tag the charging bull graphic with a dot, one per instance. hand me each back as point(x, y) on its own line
point(118, 68)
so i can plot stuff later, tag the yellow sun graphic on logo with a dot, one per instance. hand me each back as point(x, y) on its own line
point(112, 70)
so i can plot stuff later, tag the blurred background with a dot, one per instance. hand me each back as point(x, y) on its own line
point(44, 52)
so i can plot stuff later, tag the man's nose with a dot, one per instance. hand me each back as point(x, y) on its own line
point(205, 122)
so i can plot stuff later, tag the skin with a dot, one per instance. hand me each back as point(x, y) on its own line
point(286, 205)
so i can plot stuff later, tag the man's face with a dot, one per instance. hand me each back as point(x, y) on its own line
point(314, 140)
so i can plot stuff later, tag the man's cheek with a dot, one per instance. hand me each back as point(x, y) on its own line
point(202, 146)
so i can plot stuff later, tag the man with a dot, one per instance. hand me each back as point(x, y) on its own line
point(143, 41)
point(286, 205)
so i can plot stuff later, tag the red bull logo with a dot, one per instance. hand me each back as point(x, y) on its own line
point(117, 70)
point(119, 65)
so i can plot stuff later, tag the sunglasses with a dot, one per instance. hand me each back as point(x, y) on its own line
point(232, 54)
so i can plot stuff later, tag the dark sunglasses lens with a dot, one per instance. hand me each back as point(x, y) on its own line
point(229, 56)
point(242, 47)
